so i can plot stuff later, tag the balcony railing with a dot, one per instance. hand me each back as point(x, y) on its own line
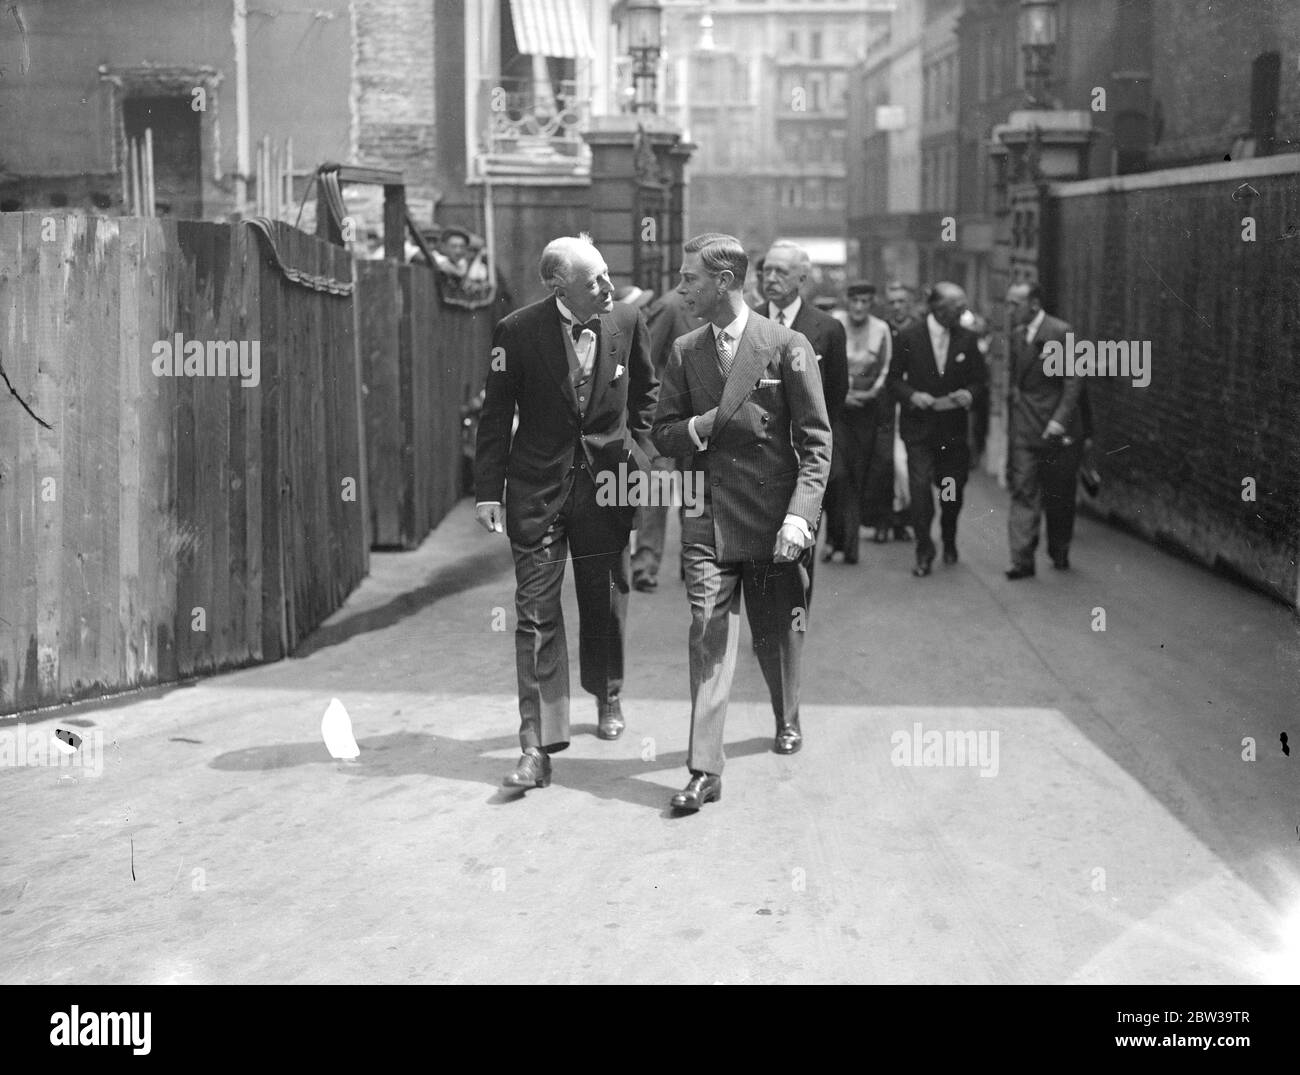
point(533, 126)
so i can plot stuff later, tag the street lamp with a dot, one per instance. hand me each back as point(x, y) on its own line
point(645, 40)
point(1039, 25)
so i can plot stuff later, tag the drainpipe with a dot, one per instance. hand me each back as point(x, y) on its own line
point(239, 31)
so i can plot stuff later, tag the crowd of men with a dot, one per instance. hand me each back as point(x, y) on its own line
point(795, 419)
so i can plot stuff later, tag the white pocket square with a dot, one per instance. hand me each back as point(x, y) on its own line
point(619, 371)
point(961, 356)
point(768, 382)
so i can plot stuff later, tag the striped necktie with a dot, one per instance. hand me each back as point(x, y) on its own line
point(724, 352)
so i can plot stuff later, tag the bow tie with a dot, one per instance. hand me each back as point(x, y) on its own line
point(575, 328)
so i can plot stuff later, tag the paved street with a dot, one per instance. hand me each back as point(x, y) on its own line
point(1118, 836)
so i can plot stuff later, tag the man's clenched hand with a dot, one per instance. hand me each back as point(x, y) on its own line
point(491, 517)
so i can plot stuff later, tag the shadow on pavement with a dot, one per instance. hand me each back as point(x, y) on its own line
point(417, 754)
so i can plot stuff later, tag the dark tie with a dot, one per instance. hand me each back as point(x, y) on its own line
point(576, 328)
point(780, 317)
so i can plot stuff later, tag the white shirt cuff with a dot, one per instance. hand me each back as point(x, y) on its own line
point(702, 445)
point(800, 524)
point(485, 503)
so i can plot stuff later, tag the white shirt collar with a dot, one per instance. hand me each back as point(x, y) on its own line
point(790, 312)
point(1031, 330)
point(567, 314)
point(737, 327)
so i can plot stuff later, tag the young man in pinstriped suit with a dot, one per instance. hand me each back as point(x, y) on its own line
point(744, 395)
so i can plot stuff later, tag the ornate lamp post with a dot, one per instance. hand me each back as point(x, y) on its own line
point(1039, 25)
point(645, 41)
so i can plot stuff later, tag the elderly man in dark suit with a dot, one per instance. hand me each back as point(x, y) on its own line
point(744, 395)
point(786, 268)
point(937, 374)
point(577, 365)
point(1045, 445)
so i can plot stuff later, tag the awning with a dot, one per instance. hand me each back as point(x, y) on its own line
point(551, 28)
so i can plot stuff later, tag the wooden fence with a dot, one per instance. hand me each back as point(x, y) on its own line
point(1207, 456)
point(170, 524)
point(421, 361)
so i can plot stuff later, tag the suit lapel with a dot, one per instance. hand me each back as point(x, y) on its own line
point(745, 369)
point(554, 354)
point(606, 360)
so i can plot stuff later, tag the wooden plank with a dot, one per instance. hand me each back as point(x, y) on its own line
point(15, 469)
point(101, 394)
point(406, 407)
point(254, 403)
point(159, 469)
point(46, 370)
point(379, 310)
point(134, 359)
point(233, 565)
point(275, 401)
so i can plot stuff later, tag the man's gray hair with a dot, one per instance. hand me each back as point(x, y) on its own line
point(800, 254)
point(556, 265)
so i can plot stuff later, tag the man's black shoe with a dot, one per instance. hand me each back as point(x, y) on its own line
point(611, 720)
point(703, 788)
point(1020, 573)
point(533, 771)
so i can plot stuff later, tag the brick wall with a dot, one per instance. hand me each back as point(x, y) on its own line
point(394, 94)
point(1202, 57)
point(1157, 258)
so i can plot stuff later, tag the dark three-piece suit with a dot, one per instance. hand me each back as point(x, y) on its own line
point(572, 427)
point(937, 442)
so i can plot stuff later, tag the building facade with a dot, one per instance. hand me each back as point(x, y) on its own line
point(761, 88)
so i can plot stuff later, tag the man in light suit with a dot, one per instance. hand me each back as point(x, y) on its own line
point(1045, 445)
point(745, 396)
point(937, 373)
point(577, 366)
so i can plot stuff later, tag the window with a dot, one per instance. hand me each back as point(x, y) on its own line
point(814, 194)
point(792, 42)
point(834, 195)
point(815, 44)
point(706, 77)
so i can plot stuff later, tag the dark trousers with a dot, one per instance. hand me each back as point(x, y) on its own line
point(1042, 479)
point(597, 541)
point(651, 533)
point(775, 597)
point(942, 466)
point(861, 484)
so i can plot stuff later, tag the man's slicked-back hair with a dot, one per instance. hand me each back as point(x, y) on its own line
point(1034, 292)
point(556, 264)
point(718, 251)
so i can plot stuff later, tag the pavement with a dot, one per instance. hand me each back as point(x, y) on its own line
point(1125, 812)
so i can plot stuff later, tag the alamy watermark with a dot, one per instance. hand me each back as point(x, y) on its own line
point(179, 357)
point(54, 748)
point(635, 488)
point(1103, 358)
point(946, 749)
